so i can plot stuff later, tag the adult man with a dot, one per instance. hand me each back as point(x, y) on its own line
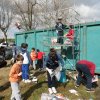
point(60, 30)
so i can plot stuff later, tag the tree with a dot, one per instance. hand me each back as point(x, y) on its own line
point(36, 14)
point(52, 9)
point(6, 16)
point(25, 9)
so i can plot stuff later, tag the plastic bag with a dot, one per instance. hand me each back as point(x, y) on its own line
point(63, 78)
point(58, 75)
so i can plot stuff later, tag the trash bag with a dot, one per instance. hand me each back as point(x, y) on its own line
point(58, 75)
point(63, 78)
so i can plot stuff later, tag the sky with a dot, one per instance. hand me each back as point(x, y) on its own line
point(88, 9)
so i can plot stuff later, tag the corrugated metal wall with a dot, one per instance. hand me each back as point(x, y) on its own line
point(90, 43)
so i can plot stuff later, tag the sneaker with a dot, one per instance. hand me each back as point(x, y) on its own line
point(77, 85)
point(23, 80)
point(90, 90)
point(34, 67)
point(50, 90)
point(54, 90)
point(27, 81)
point(34, 79)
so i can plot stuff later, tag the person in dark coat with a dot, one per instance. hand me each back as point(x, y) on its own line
point(60, 30)
point(86, 71)
point(52, 63)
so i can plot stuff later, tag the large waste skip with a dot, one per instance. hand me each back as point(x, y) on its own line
point(89, 41)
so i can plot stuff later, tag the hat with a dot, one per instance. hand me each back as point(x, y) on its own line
point(24, 45)
point(59, 18)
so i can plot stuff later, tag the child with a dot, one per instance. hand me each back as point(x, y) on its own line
point(70, 35)
point(33, 56)
point(26, 62)
point(40, 59)
point(52, 64)
point(15, 77)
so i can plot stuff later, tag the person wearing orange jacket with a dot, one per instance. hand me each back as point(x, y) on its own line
point(33, 56)
point(15, 77)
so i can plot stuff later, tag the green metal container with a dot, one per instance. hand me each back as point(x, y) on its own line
point(89, 41)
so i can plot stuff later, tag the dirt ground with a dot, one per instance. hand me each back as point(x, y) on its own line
point(33, 91)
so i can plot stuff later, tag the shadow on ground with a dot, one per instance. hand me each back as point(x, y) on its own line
point(28, 93)
point(39, 73)
point(1, 97)
point(4, 87)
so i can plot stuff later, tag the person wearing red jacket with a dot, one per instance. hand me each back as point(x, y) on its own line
point(40, 59)
point(70, 34)
point(86, 69)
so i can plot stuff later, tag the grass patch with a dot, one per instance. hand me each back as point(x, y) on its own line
point(33, 91)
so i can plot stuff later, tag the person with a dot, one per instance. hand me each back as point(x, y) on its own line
point(40, 59)
point(86, 70)
point(52, 64)
point(15, 77)
point(70, 34)
point(15, 52)
point(26, 62)
point(60, 30)
point(33, 56)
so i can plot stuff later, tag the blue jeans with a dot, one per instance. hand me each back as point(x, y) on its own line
point(84, 70)
point(25, 71)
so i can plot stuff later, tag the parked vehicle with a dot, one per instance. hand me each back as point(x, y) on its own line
point(5, 54)
point(2, 57)
point(8, 53)
point(3, 44)
point(12, 44)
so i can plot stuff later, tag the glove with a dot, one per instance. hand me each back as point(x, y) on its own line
point(50, 71)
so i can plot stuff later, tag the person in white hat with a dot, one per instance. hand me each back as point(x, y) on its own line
point(60, 30)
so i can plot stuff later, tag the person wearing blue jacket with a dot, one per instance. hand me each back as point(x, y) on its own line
point(52, 63)
point(26, 62)
point(60, 30)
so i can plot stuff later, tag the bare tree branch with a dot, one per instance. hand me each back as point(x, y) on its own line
point(6, 16)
